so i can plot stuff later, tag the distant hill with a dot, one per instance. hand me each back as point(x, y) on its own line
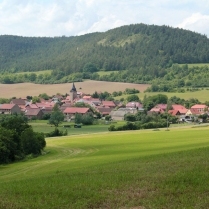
point(135, 54)
point(127, 47)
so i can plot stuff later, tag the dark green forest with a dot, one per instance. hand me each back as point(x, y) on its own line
point(136, 53)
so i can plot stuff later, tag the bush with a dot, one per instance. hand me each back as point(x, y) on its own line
point(56, 132)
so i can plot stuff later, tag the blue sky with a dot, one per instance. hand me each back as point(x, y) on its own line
point(77, 17)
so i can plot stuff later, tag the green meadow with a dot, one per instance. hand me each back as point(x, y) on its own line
point(202, 95)
point(134, 170)
point(37, 72)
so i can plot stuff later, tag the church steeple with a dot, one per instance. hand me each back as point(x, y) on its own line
point(73, 88)
point(73, 93)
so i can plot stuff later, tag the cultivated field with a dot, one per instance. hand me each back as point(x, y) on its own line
point(121, 170)
point(30, 89)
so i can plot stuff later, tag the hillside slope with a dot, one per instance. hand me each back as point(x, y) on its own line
point(127, 47)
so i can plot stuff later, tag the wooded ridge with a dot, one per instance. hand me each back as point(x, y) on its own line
point(143, 50)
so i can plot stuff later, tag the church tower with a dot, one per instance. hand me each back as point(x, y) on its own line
point(73, 93)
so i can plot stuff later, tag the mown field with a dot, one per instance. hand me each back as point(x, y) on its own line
point(202, 95)
point(124, 170)
point(89, 87)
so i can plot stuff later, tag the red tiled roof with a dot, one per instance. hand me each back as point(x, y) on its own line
point(178, 107)
point(108, 103)
point(86, 97)
point(73, 110)
point(7, 106)
point(173, 112)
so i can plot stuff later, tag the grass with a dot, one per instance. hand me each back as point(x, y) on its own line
point(101, 73)
point(37, 72)
point(138, 169)
point(196, 65)
point(42, 126)
point(200, 95)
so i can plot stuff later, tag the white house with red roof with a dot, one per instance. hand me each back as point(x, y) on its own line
point(9, 109)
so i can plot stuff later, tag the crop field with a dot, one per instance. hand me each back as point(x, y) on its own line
point(89, 87)
point(120, 170)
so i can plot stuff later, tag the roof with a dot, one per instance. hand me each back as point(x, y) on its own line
point(199, 106)
point(104, 110)
point(7, 106)
point(174, 112)
point(32, 112)
point(178, 107)
point(44, 105)
point(87, 97)
point(155, 109)
point(73, 110)
point(134, 104)
point(108, 103)
point(18, 101)
point(161, 106)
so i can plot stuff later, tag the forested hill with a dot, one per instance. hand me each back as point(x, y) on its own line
point(136, 46)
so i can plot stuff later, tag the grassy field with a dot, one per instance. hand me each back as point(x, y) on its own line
point(89, 87)
point(42, 126)
point(37, 72)
point(196, 65)
point(101, 73)
point(122, 170)
point(201, 95)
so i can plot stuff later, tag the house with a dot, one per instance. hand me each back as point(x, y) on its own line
point(34, 113)
point(156, 110)
point(182, 110)
point(71, 111)
point(9, 109)
point(161, 106)
point(174, 112)
point(18, 101)
point(120, 113)
point(199, 108)
point(104, 110)
point(134, 105)
point(109, 104)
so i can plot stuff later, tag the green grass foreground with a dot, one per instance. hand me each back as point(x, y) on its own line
point(135, 170)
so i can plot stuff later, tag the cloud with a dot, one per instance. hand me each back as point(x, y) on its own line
point(74, 17)
point(196, 22)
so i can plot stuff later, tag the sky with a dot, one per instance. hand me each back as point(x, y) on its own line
point(51, 18)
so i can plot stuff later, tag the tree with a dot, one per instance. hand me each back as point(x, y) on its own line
point(90, 68)
point(7, 146)
point(35, 99)
point(32, 142)
point(133, 98)
point(56, 117)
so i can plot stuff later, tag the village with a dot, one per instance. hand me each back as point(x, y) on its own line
point(115, 110)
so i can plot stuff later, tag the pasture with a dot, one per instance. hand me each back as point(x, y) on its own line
point(125, 170)
point(88, 87)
